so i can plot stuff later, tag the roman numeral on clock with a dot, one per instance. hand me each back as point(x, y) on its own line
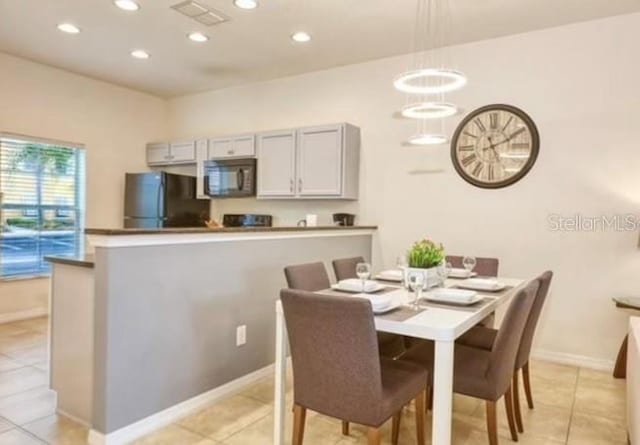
point(470, 147)
point(490, 173)
point(493, 120)
point(480, 125)
point(520, 145)
point(468, 160)
point(477, 169)
point(471, 135)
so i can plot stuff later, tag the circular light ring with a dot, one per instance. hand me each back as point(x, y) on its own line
point(428, 139)
point(140, 54)
point(246, 4)
point(429, 110)
point(197, 37)
point(301, 37)
point(451, 80)
point(69, 28)
point(127, 5)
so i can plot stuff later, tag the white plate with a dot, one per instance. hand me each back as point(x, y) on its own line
point(481, 285)
point(445, 300)
point(461, 273)
point(384, 277)
point(389, 308)
point(377, 288)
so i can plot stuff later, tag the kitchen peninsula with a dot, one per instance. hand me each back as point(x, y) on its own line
point(155, 318)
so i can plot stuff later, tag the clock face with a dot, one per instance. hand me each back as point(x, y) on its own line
point(495, 146)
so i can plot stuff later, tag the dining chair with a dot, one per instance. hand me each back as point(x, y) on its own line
point(484, 338)
point(486, 267)
point(337, 370)
point(310, 277)
point(390, 345)
point(487, 374)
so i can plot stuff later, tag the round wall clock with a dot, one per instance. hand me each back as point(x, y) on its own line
point(495, 146)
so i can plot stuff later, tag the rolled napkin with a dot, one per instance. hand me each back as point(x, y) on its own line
point(490, 284)
point(355, 285)
point(391, 275)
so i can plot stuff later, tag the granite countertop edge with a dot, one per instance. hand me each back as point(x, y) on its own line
point(205, 230)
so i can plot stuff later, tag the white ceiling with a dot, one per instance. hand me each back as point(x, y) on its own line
point(255, 44)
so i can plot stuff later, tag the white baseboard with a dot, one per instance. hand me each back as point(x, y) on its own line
point(23, 315)
point(163, 418)
point(573, 360)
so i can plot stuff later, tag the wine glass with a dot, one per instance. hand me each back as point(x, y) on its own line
point(416, 281)
point(363, 271)
point(402, 264)
point(443, 271)
point(469, 263)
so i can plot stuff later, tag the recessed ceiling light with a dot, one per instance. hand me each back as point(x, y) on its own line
point(127, 5)
point(198, 37)
point(301, 37)
point(246, 4)
point(69, 28)
point(140, 54)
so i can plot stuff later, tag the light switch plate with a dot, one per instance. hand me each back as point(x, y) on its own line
point(241, 335)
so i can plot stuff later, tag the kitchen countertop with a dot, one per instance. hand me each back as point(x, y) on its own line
point(82, 260)
point(196, 230)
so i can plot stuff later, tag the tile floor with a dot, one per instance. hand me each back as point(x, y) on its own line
point(573, 406)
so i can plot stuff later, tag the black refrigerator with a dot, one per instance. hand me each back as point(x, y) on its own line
point(160, 199)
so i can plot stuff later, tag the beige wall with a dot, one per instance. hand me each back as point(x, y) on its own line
point(579, 83)
point(112, 122)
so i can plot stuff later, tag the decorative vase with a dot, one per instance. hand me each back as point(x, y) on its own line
point(431, 275)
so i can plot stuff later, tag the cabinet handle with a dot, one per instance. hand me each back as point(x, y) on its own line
point(291, 185)
point(299, 185)
point(230, 152)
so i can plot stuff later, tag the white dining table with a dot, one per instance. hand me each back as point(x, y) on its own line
point(441, 323)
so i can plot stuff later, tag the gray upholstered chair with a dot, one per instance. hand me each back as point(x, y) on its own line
point(486, 267)
point(486, 374)
point(390, 345)
point(337, 370)
point(484, 338)
point(310, 277)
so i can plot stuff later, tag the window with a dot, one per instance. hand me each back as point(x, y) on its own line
point(41, 204)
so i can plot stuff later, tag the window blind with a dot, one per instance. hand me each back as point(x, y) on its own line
point(41, 204)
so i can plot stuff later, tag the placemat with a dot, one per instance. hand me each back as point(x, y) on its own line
point(402, 313)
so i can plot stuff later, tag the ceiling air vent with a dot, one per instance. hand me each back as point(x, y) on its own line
point(200, 13)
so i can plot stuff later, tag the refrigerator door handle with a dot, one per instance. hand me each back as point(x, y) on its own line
point(158, 200)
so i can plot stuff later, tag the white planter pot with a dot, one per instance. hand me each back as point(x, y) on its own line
point(431, 275)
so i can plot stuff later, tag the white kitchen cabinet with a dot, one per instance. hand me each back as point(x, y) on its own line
point(319, 163)
point(277, 164)
point(171, 153)
point(233, 147)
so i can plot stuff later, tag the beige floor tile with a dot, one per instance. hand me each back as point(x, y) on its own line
point(564, 375)
point(601, 400)
point(592, 430)
point(477, 437)
point(174, 435)
point(17, 437)
point(543, 422)
point(8, 364)
point(23, 340)
point(21, 379)
point(547, 392)
point(263, 390)
point(27, 406)
point(58, 430)
point(465, 405)
point(30, 355)
point(226, 417)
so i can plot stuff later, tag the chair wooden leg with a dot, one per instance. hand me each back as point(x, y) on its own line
point(427, 395)
point(429, 404)
point(508, 403)
point(299, 416)
point(620, 370)
point(516, 402)
point(373, 435)
point(345, 428)
point(395, 427)
point(420, 406)
point(527, 384)
point(492, 423)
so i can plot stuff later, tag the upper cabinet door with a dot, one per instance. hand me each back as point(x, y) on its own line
point(320, 161)
point(183, 152)
point(158, 153)
point(233, 147)
point(276, 164)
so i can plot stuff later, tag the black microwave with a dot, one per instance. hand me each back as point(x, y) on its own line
point(230, 178)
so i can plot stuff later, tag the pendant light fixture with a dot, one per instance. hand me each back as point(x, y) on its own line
point(430, 74)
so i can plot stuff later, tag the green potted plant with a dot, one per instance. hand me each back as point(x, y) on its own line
point(426, 255)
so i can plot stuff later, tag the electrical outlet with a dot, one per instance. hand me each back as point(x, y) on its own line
point(241, 335)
